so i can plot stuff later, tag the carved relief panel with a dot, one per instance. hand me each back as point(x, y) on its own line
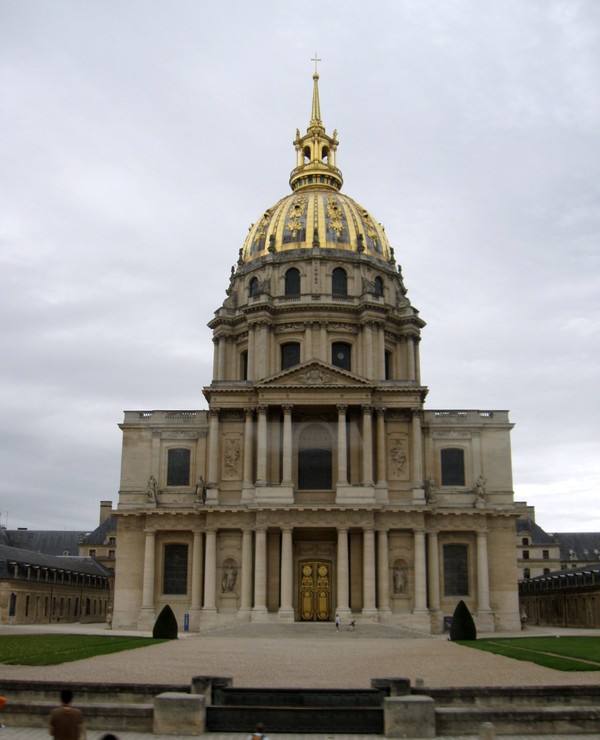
point(398, 457)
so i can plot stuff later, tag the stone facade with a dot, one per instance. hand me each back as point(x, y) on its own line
point(316, 483)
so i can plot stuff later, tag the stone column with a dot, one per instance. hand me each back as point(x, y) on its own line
point(247, 484)
point(417, 458)
point(197, 574)
point(417, 341)
point(324, 356)
point(381, 450)
point(369, 573)
point(263, 351)
point(149, 570)
point(213, 446)
point(342, 446)
point(210, 572)
point(286, 610)
point(261, 462)
point(383, 572)
point(381, 353)
point(367, 446)
point(483, 583)
point(251, 351)
point(343, 592)
point(215, 358)
point(433, 580)
point(260, 575)
point(287, 445)
point(246, 594)
point(221, 368)
point(420, 573)
point(410, 356)
point(308, 336)
point(368, 350)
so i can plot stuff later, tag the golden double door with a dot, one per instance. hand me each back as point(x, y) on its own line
point(314, 578)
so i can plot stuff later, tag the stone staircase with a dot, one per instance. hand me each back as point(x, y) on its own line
point(528, 710)
point(341, 711)
point(129, 706)
point(551, 710)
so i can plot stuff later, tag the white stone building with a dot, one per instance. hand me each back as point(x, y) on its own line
point(316, 483)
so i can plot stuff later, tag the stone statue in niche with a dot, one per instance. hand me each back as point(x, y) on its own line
point(480, 485)
point(430, 497)
point(201, 490)
point(152, 489)
point(229, 579)
point(400, 582)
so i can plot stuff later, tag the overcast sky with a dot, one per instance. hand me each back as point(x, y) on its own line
point(140, 139)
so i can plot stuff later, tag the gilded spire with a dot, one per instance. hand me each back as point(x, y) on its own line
point(316, 152)
point(315, 116)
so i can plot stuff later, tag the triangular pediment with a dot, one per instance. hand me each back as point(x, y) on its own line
point(314, 374)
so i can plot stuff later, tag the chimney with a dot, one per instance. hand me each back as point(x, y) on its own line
point(105, 510)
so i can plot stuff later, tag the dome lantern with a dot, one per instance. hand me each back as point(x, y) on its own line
point(316, 152)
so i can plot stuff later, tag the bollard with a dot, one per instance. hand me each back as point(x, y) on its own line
point(487, 731)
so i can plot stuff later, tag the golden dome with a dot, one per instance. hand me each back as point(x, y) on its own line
point(316, 214)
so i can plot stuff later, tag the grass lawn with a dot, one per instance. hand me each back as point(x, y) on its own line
point(560, 653)
point(54, 649)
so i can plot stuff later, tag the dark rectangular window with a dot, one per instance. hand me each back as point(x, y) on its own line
point(178, 467)
point(453, 467)
point(341, 355)
point(525, 554)
point(175, 569)
point(456, 570)
point(290, 355)
point(546, 554)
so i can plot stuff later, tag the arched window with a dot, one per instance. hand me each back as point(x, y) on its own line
point(378, 286)
point(175, 569)
point(292, 282)
point(453, 467)
point(341, 355)
point(339, 282)
point(178, 467)
point(290, 355)
point(525, 541)
point(253, 288)
point(314, 459)
point(456, 570)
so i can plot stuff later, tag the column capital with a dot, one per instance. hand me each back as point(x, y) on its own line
point(214, 412)
point(366, 409)
point(381, 410)
point(342, 408)
point(249, 411)
point(287, 407)
point(262, 409)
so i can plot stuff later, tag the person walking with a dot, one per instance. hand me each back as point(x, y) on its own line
point(337, 622)
point(66, 721)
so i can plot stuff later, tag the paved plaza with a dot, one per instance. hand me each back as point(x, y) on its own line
point(293, 656)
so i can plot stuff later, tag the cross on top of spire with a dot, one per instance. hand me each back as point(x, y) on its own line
point(316, 60)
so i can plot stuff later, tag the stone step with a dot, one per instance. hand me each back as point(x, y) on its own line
point(540, 720)
point(122, 715)
point(294, 719)
point(337, 698)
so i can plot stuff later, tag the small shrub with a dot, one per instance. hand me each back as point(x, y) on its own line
point(165, 627)
point(463, 626)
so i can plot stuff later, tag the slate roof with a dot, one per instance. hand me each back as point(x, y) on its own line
point(100, 534)
point(537, 534)
point(50, 542)
point(579, 545)
point(61, 562)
